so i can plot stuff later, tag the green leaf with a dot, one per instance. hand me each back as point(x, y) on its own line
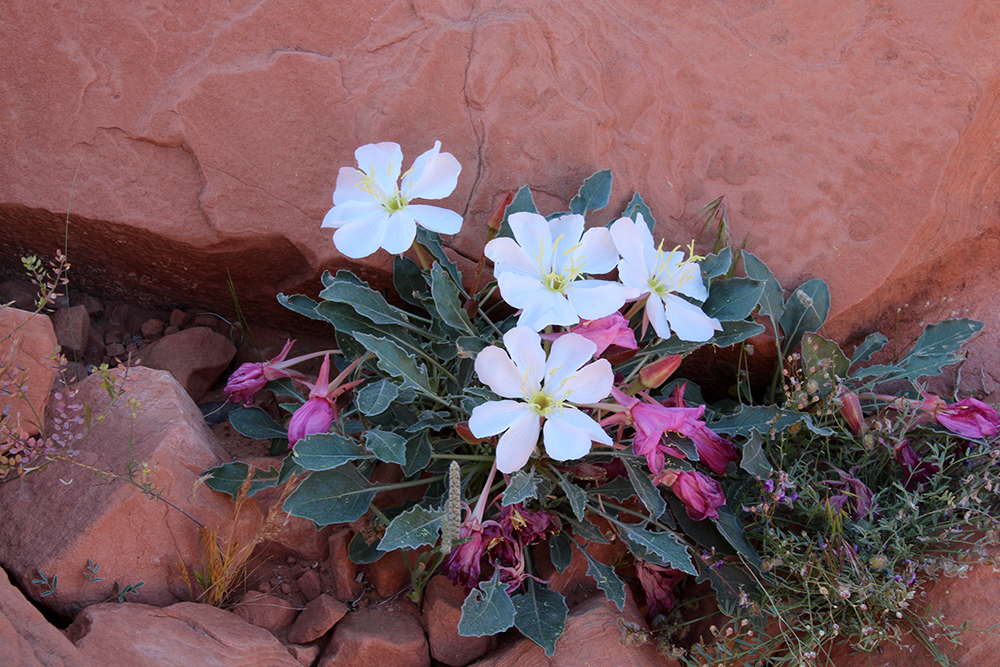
point(661, 548)
point(560, 552)
point(869, 346)
point(619, 488)
point(487, 610)
point(522, 486)
point(734, 299)
point(366, 302)
point(736, 332)
point(636, 206)
point(418, 453)
point(386, 446)
point(446, 300)
point(408, 280)
point(732, 530)
point(824, 362)
point(586, 530)
point(394, 361)
point(540, 615)
point(577, 497)
point(414, 528)
point(607, 580)
point(257, 424)
point(229, 478)
point(594, 193)
point(944, 339)
point(764, 419)
point(772, 300)
point(523, 202)
point(374, 399)
point(363, 548)
point(346, 320)
point(340, 495)
point(714, 266)
point(327, 451)
point(300, 304)
point(754, 460)
point(733, 586)
point(805, 310)
point(644, 488)
point(432, 242)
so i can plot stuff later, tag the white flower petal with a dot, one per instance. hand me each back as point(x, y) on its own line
point(348, 188)
point(690, 283)
point(497, 416)
point(633, 277)
point(656, 314)
point(507, 256)
point(531, 231)
point(382, 162)
point(353, 211)
point(567, 354)
point(549, 308)
point(689, 321)
point(401, 232)
point(597, 252)
point(590, 384)
point(522, 291)
point(433, 175)
point(498, 372)
point(362, 237)
point(516, 445)
point(435, 218)
point(525, 349)
point(594, 299)
point(579, 419)
point(565, 232)
point(630, 242)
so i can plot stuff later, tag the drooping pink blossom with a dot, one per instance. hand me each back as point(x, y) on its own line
point(701, 495)
point(852, 492)
point(658, 584)
point(603, 332)
point(969, 418)
point(319, 412)
point(916, 469)
point(250, 378)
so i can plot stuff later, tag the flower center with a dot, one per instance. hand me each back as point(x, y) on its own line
point(557, 282)
point(543, 404)
point(664, 280)
point(391, 203)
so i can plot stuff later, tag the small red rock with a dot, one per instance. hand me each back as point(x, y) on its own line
point(178, 318)
point(377, 638)
point(310, 585)
point(342, 571)
point(72, 327)
point(265, 611)
point(441, 613)
point(316, 619)
point(152, 329)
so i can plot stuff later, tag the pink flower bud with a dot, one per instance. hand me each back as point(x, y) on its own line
point(654, 374)
point(244, 384)
point(850, 408)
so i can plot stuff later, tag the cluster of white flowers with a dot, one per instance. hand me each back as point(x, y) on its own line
point(544, 271)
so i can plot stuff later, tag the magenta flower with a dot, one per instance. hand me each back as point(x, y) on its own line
point(658, 584)
point(969, 418)
point(853, 492)
point(250, 378)
point(319, 412)
point(464, 565)
point(917, 470)
point(603, 332)
point(702, 495)
point(713, 450)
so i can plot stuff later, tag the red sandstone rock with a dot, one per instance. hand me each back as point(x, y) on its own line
point(27, 343)
point(59, 518)
point(343, 572)
point(376, 638)
point(390, 573)
point(196, 357)
point(592, 636)
point(270, 612)
point(72, 327)
point(310, 585)
point(442, 611)
point(306, 655)
point(28, 640)
point(181, 635)
point(316, 619)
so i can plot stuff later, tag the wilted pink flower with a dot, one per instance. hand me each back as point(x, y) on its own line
point(853, 491)
point(250, 378)
point(969, 418)
point(850, 408)
point(702, 495)
point(658, 584)
point(464, 564)
point(651, 420)
point(319, 412)
point(917, 470)
point(603, 332)
point(713, 450)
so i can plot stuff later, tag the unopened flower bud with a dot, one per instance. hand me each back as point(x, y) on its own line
point(655, 374)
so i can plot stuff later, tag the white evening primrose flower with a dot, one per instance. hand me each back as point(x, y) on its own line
point(371, 210)
point(540, 270)
point(545, 390)
point(662, 276)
